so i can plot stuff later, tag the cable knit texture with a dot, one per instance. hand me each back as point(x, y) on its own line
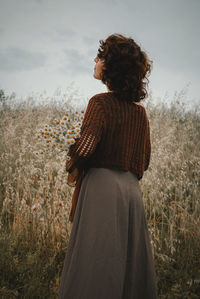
point(114, 134)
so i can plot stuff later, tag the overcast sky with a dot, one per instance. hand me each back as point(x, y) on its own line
point(48, 44)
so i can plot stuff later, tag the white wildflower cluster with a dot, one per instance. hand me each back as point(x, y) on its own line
point(63, 134)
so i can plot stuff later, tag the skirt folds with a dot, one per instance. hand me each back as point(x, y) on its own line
point(109, 254)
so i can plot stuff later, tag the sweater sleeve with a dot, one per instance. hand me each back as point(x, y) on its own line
point(90, 135)
point(148, 146)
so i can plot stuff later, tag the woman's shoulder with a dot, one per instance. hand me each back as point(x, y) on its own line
point(100, 99)
point(97, 102)
point(140, 107)
point(109, 98)
point(101, 95)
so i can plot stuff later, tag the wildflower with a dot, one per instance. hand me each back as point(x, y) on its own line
point(62, 138)
point(70, 131)
point(72, 141)
point(65, 132)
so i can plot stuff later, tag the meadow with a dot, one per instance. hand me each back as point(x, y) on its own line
point(35, 199)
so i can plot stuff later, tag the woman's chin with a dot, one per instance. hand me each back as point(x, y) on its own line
point(96, 77)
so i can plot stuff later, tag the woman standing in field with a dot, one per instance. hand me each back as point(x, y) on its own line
point(109, 254)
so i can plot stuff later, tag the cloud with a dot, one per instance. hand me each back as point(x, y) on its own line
point(172, 57)
point(37, 1)
point(75, 63)
point(16, 59)
point(63, 35)
point(88, 40)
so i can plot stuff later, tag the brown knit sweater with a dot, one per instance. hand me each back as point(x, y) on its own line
point(114, 134)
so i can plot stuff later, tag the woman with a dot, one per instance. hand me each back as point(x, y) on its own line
point(109, 253)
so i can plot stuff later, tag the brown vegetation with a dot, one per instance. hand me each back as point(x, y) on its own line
point(35, 201)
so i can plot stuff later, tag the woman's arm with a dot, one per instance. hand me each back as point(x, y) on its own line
point(90, 135)
point(148, 145)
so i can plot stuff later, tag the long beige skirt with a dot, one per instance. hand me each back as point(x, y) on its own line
point(109, 255)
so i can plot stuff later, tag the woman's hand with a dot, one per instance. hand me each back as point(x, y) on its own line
point(73, 177)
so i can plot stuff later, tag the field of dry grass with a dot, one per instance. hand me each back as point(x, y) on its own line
point(35, 201)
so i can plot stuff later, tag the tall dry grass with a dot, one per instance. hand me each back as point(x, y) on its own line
point(35, 200)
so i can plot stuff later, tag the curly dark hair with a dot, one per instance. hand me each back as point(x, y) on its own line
point(126, 67)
